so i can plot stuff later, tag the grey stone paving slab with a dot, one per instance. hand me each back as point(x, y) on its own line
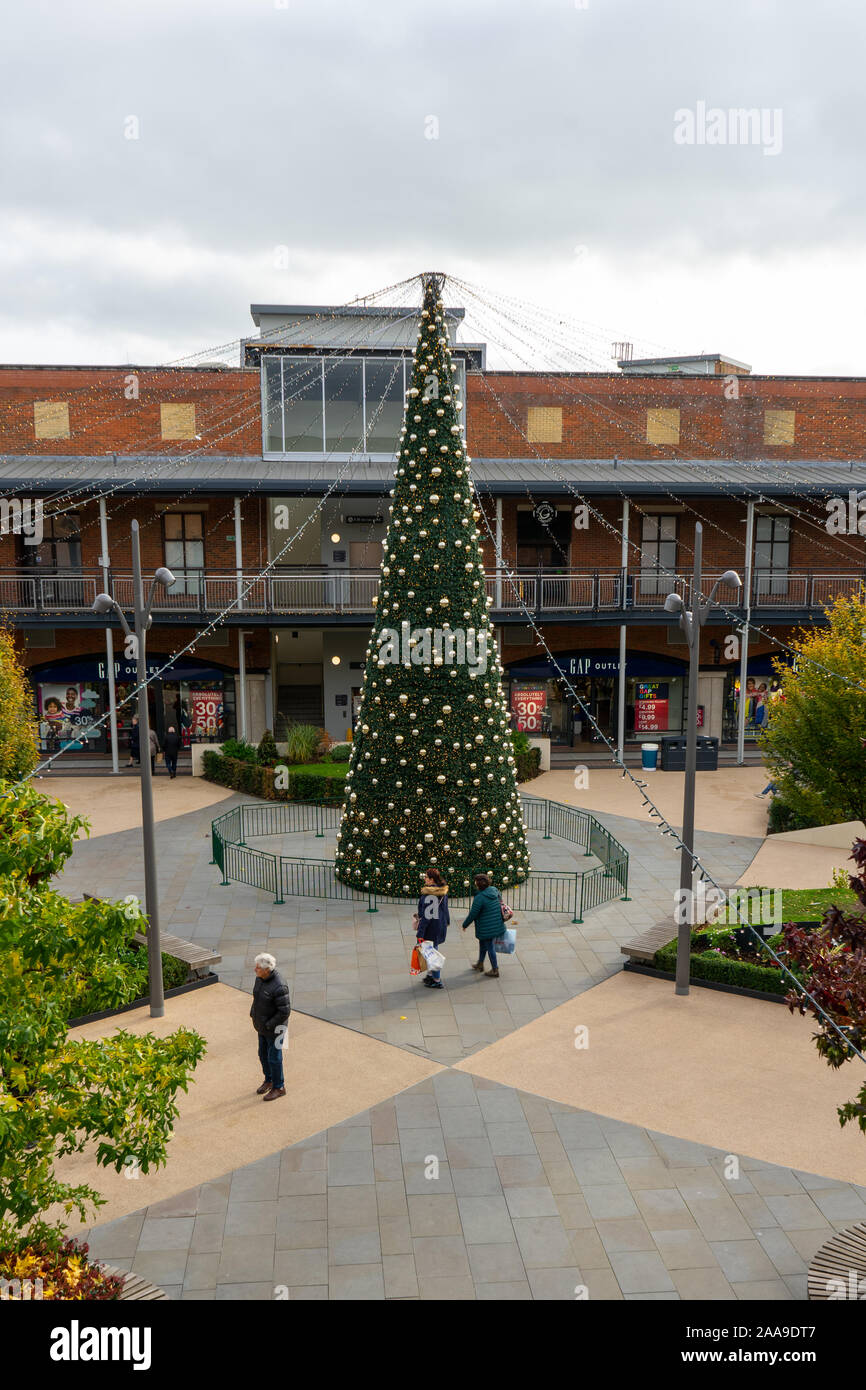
point(483, 1227)
point(457, 1188)
point(351, 967)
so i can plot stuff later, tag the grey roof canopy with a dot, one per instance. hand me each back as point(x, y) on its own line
point(504, 477)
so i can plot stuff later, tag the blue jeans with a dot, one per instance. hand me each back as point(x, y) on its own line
point(271, 1058)
point(485, 948)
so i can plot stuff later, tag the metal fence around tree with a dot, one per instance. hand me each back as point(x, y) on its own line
point(294, 876)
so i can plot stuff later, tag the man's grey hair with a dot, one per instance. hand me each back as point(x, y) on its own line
point(266, 962)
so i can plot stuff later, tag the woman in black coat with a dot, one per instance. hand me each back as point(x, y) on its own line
point(433, 918)
point(134, 742)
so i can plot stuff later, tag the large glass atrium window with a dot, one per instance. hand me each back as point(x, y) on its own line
point(335, 405)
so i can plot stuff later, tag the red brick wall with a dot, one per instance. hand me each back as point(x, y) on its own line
point(103, 421)
point(604, 416)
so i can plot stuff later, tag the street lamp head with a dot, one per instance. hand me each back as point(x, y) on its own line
point(731, 577)
point(102, 604)
point(673, 604)
point(164, 577)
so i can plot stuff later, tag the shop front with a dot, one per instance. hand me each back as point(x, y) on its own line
point(545, 697)
point(72, 700)
point(763, 689)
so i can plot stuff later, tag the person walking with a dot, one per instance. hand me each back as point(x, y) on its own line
point(486, 913)
point(269, 1012)
point(433, 918)
point(134, 743)
point(170, 749)
point(154, 749)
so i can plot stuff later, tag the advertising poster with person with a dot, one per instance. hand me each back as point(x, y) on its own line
point(61, 711)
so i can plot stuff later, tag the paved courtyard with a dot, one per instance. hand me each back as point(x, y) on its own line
point(351, 966)
point(459, 1187)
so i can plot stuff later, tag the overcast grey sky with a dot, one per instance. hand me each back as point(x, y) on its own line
point(554, 177)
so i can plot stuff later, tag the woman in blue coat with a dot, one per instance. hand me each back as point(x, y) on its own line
point(433, 919)
point(486, 913)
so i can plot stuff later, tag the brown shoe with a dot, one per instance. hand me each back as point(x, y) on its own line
point(265, 1086)
point(478, 965)
point(494, 974)
point(274, 1092)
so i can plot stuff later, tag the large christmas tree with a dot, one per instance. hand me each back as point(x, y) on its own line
point(432, 774)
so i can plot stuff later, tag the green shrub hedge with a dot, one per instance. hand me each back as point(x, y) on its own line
point(260, 781)
point(708, 965)
point(528, 764)
point(100, 995)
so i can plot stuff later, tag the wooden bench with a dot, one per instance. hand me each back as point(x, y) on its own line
point(642, 948)
point(198, 958)
point(838, 1271)
point(134, 1287)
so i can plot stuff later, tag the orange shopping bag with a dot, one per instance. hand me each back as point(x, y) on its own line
point(416, 962)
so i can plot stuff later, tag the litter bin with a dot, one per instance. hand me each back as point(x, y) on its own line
point(673, 753)
point(649, 756)
point(707, 754)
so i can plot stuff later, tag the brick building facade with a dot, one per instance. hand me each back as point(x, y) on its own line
point(229, 477)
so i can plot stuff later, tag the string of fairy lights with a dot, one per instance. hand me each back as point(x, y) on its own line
point(660, 571)
point(702, 468)
point(214, 623)
point(736, 618)
point(664, 826)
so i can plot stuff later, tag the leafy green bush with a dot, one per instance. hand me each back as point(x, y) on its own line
point(132, 982)
point(783, 816)
point(307, 784)
point(239, 748)
point(62, 1094)
point(303, 742)
point(18, 742)
point(520, 741)
point(710, 964)
point(341, 752)
point(528, 764)
point(267, 751)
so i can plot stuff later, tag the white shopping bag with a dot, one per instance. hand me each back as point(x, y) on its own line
point(434, 958)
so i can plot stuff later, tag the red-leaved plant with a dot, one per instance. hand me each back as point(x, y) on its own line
point(832, 960)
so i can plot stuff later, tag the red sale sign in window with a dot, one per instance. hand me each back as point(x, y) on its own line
point(650, 716)
point(207, 712)
point(527, 707)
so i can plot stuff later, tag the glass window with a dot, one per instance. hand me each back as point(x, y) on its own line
point(384, 404)
point(184, 550)
point(338, 404)
point(273, 391)
point(772, 552)
point(658, 559)
point(302, 404)
point(344, 405)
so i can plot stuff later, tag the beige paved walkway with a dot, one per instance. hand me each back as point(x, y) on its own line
point(331, 1072)
point(734, 1073)
point(114, 803)
point(727, 800)
point(803, 858)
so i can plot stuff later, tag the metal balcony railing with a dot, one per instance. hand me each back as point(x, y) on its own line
point(287, 591)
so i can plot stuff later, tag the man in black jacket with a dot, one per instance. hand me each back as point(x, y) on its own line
point(171, 748)
point(270, 1015)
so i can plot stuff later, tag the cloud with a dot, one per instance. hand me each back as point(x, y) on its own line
point(306, 126)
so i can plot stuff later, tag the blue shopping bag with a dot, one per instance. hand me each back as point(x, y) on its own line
point(506, 943)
